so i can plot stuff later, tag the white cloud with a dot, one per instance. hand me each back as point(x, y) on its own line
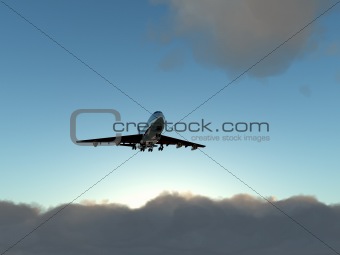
point(174, 224)
point(234, 35)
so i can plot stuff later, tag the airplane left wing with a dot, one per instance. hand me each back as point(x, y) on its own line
point(166, 140)
point(126, 140)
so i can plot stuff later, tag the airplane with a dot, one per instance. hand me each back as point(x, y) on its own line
point(147, 138)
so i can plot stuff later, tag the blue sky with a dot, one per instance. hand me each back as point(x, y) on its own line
point(41, 85)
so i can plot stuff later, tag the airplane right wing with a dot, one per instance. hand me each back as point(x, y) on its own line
point(166, 140)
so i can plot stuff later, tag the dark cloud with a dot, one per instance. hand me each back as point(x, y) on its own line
point(305, 91)
point(174, 224)
point(233, 35)
point(337, 76)
point(172, 61)
point(333, 49)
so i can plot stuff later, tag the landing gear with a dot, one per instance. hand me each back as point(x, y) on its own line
point(134, 147)
point(142, 148)
point(161, 147)
point(148, 146)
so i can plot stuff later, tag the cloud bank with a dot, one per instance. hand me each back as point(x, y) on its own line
point(174, 224)
point(234, 35)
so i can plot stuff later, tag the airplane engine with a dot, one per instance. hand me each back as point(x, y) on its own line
point(95, 144)
point(179, 145)
point(194, 147)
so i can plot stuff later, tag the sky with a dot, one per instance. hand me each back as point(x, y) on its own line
point(171, 56)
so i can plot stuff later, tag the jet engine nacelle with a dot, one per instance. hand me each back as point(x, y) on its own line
point(194, 147)
point(179, 145)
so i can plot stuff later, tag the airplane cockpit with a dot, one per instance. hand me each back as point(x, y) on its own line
point(151, 120)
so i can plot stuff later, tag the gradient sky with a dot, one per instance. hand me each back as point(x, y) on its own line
point(42, 84)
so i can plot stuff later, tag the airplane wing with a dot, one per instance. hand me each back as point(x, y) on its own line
point(166, 140)
point(132, 140)
point(125, 140)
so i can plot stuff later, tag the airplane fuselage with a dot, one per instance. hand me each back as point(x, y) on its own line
point(154, 129)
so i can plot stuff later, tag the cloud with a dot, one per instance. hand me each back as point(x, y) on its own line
point(305, 91)
point(337, 76)
point(172, 61)
point(174, 224)
point(333, 49)
point(234, 35)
